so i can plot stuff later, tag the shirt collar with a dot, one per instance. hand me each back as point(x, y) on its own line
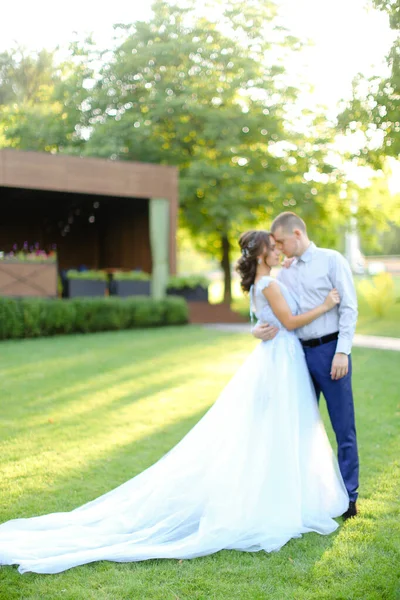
point(307, 255)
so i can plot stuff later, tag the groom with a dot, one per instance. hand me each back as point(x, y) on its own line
point(327, 340)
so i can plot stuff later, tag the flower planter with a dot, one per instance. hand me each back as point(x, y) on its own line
point(196, 294)
point(76, 288)
point(125, 288)
point(23, 279)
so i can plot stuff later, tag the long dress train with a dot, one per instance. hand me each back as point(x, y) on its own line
point(254, 472)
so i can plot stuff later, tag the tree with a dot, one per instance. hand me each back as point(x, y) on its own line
point(41, 101)
point(378, 216)
point(210, 97)
point(375, 106)
point(206, 94)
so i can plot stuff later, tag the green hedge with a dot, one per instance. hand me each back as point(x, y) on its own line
point(34, 317)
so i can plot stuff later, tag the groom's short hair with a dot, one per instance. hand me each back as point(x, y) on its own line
point(288, 221)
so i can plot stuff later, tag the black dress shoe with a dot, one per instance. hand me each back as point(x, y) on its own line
point(351, 511)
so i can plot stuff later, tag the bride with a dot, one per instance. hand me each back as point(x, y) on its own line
point(256, 470)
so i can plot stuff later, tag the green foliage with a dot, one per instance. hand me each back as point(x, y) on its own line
point(11, 321)
point(89, 274)
point(131, 276)
point(34, 317)
point(392, 8)
point(175, 312)
point(210, 96)
point(378, 211)
point(204, 90)
point(57, 317)
point(375, 104)
point(41, 101)
point(150, 312)
point(389, 240)
point(97, 314)
point(379, 294)
point(190, 259)
point(369, 324)
point(31, 312)
point(24, 76)
point(188, 281)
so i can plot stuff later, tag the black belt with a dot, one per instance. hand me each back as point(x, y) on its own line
point(319, 341)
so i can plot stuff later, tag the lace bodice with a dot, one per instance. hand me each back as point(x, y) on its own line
point(260, 307)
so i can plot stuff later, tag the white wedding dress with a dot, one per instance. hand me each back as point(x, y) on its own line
point(256, 471)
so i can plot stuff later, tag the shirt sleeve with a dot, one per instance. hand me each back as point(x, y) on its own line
point(342, 280)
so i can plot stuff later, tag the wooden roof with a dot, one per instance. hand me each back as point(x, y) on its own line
point(57, 172)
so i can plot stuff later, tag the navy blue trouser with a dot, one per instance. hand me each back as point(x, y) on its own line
point(339, 400)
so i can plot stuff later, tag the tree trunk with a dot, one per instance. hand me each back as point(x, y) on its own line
point(226, 267)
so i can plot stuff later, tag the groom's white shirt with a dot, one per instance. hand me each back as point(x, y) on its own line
point(310, 278)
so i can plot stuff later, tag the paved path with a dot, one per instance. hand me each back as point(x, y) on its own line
point(362, 341)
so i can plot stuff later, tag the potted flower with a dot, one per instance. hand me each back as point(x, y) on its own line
point(86, 283)
point(29, 271)
point(29, 254)
point(130, 283)
point(193, 288)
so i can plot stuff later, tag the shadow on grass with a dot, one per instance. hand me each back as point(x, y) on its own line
point(33, 354)
point(82, 485)
point(74, 421)
point(126, 382)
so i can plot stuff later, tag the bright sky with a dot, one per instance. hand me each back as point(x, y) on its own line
point(348, 37)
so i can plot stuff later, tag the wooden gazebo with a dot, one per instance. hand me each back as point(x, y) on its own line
point(101, 214)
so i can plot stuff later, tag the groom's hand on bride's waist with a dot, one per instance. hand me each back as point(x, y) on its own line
point(264, 332)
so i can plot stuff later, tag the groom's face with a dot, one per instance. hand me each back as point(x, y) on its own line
point(286, 242)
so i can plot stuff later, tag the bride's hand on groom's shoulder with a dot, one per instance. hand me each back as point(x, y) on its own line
point(264, 332)
point(287, 262)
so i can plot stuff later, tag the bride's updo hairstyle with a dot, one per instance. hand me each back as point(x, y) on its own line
point(252, 244)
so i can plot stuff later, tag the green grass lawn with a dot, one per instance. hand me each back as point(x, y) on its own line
point(368, 323)
point(82, 414)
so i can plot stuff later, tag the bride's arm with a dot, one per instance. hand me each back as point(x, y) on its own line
point(282, 311)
